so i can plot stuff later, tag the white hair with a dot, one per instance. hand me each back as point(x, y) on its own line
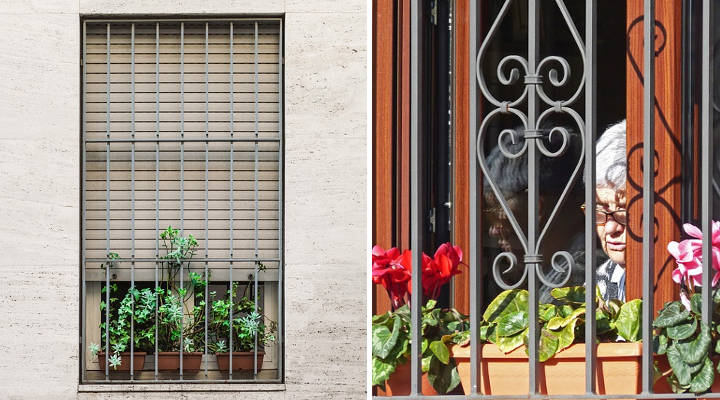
point(611, 158)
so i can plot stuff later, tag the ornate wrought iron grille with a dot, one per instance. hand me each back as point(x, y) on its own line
point(534, 109)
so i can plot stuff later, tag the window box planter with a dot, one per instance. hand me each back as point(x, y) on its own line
point(241, 360)
point(399, 382)
point(138, 361)
point(170, 361)
point(618, 367)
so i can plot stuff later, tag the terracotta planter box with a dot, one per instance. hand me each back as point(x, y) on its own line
point(399, 383)
point(618, 369)
point(170, 361)
point(138, 361)
point(240, 359)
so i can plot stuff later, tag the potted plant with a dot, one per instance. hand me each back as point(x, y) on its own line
point(505, 327)
point(249, 327)
point(440, 327)
point(689, 348)
point(175, 319)
point(138, 305)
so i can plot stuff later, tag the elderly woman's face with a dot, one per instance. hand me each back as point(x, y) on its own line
point(612, 234)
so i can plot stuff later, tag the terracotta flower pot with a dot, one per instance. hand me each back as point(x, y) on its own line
point(170, 361)
point(618, 370)
point(138, 361)
point(399, 383)
point(240, 360)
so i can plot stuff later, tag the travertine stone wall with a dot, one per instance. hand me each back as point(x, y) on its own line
point(325, 186)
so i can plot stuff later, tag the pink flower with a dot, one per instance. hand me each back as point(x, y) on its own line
point(388, 271)
point(688, 256)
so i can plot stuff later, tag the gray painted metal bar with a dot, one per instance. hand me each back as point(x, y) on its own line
point(207, 245)
point(416, 215)
point(474, 260)
point(707, 156)
point(547, 397)
point(83, 285)
point(132, 201)
point(182, 172)
point(532, 260)
point(136, 20)
point(232, 192)
point(107, 214)
point(181, 140)
point(590, 236)
point(248, 260)
point(157, 186)
point(280, 346)
point(648, 246)
point(257, 205)
point(204, 381)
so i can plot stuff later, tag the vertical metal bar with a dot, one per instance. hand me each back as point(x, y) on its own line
point(83, 299)
point(415, 202)
point(255, 178)
point(707, 157)
point(232, 195)
point(533, 182)
point(107, 211)
point(590, 133)
point(182, 171)
point(474, 260)
point(648, 192)
point(157, 183)
point(132, 202)
point(280, 204)
point(207, 237)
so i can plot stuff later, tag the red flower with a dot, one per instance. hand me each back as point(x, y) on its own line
point(440, 269)
point(391, 274)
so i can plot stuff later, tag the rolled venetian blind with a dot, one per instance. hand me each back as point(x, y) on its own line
point(153, 83)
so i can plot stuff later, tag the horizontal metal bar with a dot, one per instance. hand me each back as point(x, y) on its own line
point(180, 140)
point(541, 396)
point(194, 259)
point(160, 382)
point(198, 20)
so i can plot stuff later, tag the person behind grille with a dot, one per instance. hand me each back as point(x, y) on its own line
point(566, 232)
point(611, 212)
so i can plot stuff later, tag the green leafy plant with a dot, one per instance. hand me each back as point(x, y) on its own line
point(440, 328)
point(247, 322)
point(135, 309)
point(681, 335)
point(506, 324)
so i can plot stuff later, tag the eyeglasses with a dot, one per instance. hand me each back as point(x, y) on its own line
point(601, 216)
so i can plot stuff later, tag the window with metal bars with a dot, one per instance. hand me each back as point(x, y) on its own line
point(182, 200)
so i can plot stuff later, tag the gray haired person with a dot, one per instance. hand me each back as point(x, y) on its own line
point(611, 212)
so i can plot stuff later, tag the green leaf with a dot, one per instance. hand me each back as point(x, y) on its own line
point(703, 379)
point(430, 304)
point(696, 303)
point(443, 378)
point(440, 350)
point(426, 363)
point(558, 322)
point(486, 332)
point(512, 323)
point(566, 336)
point(673, 313)
point(629, 320)
point(682, 330)
point(660, 343)
point(678, 365)
point(510, 343)
point(506, 302)
point(548, 345)
point(692, 352)
point(383, 340)
point(547, 311)
point(571, 294)
point(602, 322)
point(381, 370)
point(565, 310)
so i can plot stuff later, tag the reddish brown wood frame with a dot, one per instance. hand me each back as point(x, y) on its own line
point(391, 79)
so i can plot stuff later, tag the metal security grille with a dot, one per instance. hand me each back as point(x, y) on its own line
point(534, 104)
point(182, 127)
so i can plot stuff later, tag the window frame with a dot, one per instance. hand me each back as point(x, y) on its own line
point(276, 286)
